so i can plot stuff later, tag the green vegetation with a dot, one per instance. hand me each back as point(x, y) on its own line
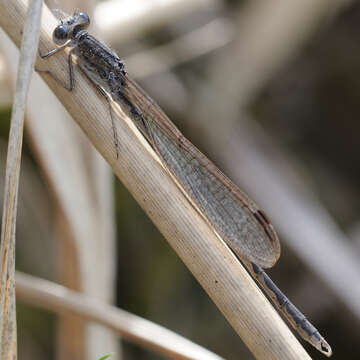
point(105, 357)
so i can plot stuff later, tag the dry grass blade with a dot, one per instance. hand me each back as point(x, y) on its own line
point(54, 297)
point(209, 259)
point(117, 26)
point(188, 47)
point(8, 343)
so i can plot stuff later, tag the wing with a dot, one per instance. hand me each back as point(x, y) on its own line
point(234, 216)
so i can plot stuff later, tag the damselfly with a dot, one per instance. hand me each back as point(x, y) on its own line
point(233, 215)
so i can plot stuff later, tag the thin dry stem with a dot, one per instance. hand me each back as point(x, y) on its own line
point(8, 340)
point(188, 47)
point(264, 43)
point(118, 26)
point(54, 297)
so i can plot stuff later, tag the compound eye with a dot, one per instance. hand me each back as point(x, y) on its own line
point(60, 35)
point(85, 20)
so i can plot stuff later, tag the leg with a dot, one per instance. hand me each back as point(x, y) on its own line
point(72, 86)
point(116, 140)
point(71, 72)
point(52, 52)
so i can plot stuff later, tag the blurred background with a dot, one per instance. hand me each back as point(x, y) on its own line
point(270, 91)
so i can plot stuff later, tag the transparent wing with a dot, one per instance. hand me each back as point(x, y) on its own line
point(236, 218)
